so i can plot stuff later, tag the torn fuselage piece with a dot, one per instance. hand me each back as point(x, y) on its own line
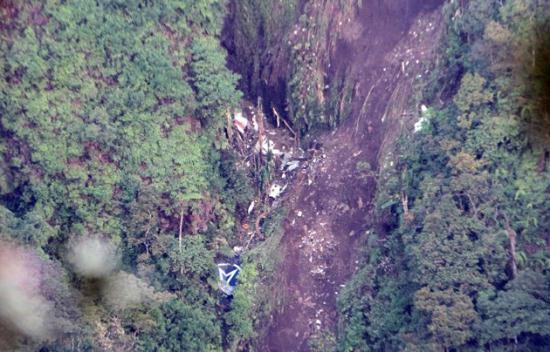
point(227, 274)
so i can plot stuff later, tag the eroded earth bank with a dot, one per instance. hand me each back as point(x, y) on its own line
point(379, 51)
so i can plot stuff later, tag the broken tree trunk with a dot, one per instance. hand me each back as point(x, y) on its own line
point(229, 127)
point(256, 231)
point(279, 118)
point(512, 235)
point(260, 127)
point(541, 165)
point(180, 233)
point(405, 202)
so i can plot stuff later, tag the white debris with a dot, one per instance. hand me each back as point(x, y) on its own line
point(424, 119)
point(267, 146)
point(318, 271)
point(419, 125)
point(276, 190)
point(254, 123)
point(293, 165)
point(286, 160)
point(251, 207)
point(423, 108)
point(228, 277)
point(240, 122)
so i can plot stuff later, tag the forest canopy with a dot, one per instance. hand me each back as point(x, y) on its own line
point(110, 123)
point(121, 185)
point(465, 265)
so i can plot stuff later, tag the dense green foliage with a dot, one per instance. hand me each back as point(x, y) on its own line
point(111, 117)
point(180, 327)
point(465, 266)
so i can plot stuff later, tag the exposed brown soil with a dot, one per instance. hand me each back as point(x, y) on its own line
point(330, 202)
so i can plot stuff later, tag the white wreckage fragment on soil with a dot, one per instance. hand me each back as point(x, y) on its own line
point(228, 274)
point(318, 271)
point(292, 165)
point(255, 124)
point(276, 190)
point(422, 123)
point(240, 122)
point(267, 146)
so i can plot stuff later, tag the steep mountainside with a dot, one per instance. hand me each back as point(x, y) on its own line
point(377, 168)
point(431, 192)
point(331, 206)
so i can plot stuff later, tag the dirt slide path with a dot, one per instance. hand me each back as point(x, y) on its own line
point(330, 202)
